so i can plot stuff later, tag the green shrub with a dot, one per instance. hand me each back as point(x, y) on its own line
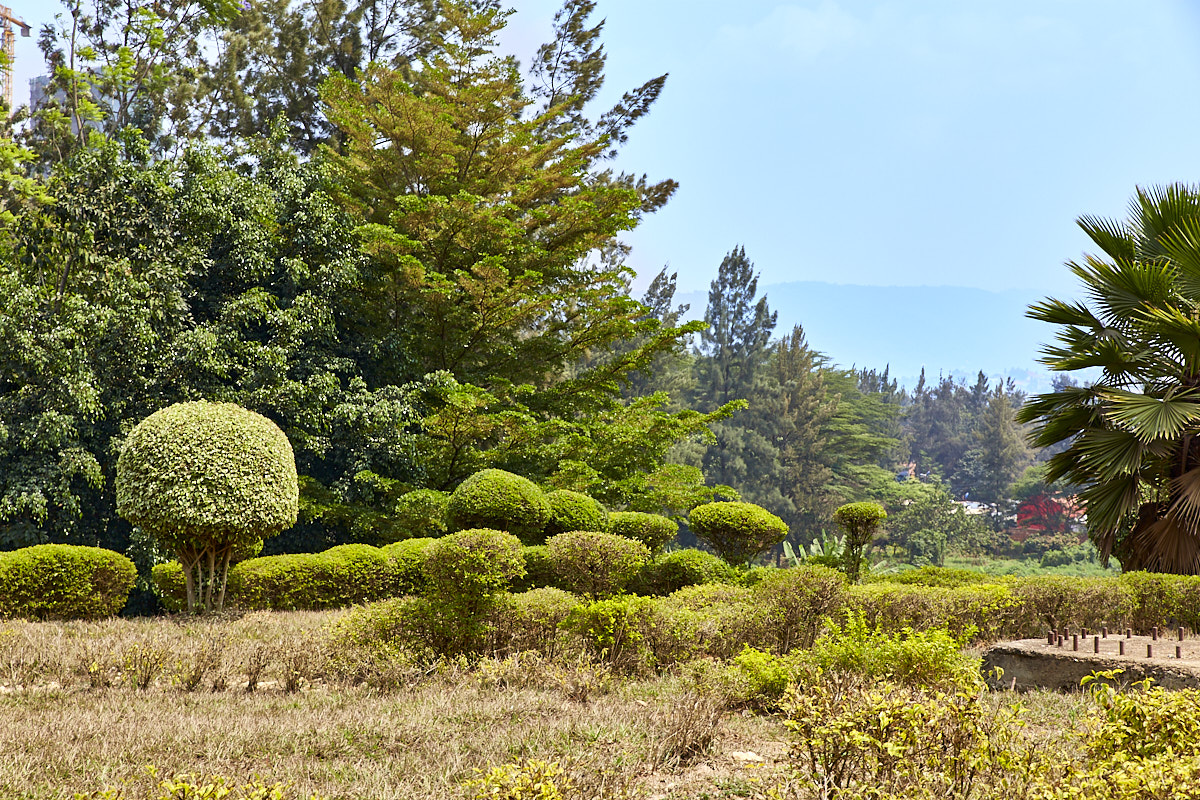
point(612, 630)
point(595, 564)
point(795, 602)
point(168, 584)
point(338, 577)
point(861, 522)
point(713, 620)
point(205, 480)
point(1053, 601)
point(59, 581)
point(1159, 599)
point(530, 621)
point(653, 530)
point(931, 659)
point(466, 566)
point(529, 780)
point(737, 531)
point(672, 571)
point(420, 514)
point(574, 511)
point(406, 567)
point(499, 500)
point(539, 569)
point(990, 610)
point(376, 633)
point(766, 677)
point(933, 576)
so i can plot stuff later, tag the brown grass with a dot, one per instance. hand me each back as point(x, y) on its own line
point(89, 705)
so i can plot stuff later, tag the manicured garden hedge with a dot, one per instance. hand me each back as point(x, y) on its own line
point(59, 581)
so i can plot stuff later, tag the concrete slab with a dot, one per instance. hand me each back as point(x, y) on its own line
point(1033, 663)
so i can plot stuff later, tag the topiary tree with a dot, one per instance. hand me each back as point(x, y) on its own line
point(574, 511)
point(860, 521)
point(737, 531)
point(207, 481)
point(595, 564)
point(499, 500)
point(464, 572)
point(652, 530)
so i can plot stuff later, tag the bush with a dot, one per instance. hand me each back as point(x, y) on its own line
point(1052, 601)
point(933, 576)
point(59, 581)
point(539, 569)
point(595, 564)
point(612, 630)
point(499, 500)
point(709, 620)
point(406, 567)
point(861, 522)
point(793, 603)
point(530, 621)
point(653, 530)
point(574, 511)
point(672, 571)
point(420, 514)
point(467, 566)
point(340, 576)
point(931, 659)
point(737, 531)
point(990, 611)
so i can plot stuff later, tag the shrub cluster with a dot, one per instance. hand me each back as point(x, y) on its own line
point(498, 500)
point(59, 581)
point(737, 531)
point(672, 571)
point(595, 564)
point(653, 530)
point(574, 511)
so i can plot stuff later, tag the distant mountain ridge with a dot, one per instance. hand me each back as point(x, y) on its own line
point(950, 330)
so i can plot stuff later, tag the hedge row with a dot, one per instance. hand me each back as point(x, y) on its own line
point(59, 581)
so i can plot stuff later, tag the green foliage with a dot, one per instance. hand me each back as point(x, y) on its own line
point(53, 581)
point(611, 630)
point(989, 611)
point(767, 676)
point(531, 621)
point(930, 659)
point(206, 479)
point(196, 786)
point(860, 521)
point(420, 514)
point(595, 564)
point(794, 604)
point(653, 530)
point(500, 500)
point(467, 566)
point(934, 576)
point(575, 511)
point(669, 572)
point(539, 569)
point(709, 620)
point(529, 780)
point(737, 531)
point(406, 572)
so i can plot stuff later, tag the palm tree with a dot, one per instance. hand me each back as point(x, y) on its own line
point(1133, 434)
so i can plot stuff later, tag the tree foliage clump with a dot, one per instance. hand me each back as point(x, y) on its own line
point(861, 522)
point(1131, 436)
point(737, 531)
point(493, 498)
point(652, 530)
point(595, 564)
point(207, 480)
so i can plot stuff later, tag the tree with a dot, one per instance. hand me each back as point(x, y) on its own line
point(737, 531)
point(207, 481)
point(860, 521)
point(1133, 445)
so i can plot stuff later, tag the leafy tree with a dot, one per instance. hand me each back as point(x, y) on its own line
point(207, 480)
point(860, 521)
point(1132, 448)
point(737, 531)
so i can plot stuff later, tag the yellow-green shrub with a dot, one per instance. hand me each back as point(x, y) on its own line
point(497, 500)
point(672, 571)
point(990, 610)
point(60, 581)
point(653, 530)
point(793, 604)
point(574, 511)
point(1052, 601)
point(595, 564)
point(530, 620)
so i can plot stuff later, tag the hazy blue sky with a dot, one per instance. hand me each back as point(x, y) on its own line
point(888, 143)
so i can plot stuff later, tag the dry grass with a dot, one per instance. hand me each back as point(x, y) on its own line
point(89, 705)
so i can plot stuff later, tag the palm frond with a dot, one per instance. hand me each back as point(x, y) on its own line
point(1150, 418)
point(1109, 454)
point(1111, 236)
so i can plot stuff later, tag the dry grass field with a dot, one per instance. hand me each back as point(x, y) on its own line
point(85, 706)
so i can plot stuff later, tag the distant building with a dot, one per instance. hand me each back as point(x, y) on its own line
point(39, 95)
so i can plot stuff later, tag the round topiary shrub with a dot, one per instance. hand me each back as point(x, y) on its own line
point(206, 480)
point(407, 566)
point(420, 514)
point(539, 570)
point(60, 581)
point(499, 500)
point(472, 564)
point(574, 511)
point(595, 564)
point(652, 530)
point(679, 568)
point(737, 531)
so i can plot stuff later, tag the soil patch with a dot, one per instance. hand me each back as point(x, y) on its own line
point(1035, 663)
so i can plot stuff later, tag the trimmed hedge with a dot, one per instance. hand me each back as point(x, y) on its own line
point(672, 571)
point(653, 530)
point(498, 500)
point(60, 581)
point(595, 564)
point(340, 576)
point(574, 511)
point(539, 570)
point(795, 603)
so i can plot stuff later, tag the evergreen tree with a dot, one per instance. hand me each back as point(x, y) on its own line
point(734, 345)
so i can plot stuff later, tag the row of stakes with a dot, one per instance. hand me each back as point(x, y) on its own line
point(1059, 637)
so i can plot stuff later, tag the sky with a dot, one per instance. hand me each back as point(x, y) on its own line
point(915, 143)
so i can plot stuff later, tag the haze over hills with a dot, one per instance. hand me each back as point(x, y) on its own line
point(948, 330)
